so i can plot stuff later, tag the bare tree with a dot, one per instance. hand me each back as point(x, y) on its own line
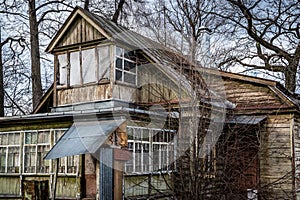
point(264, 35)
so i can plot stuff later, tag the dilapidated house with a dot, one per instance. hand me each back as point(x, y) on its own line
point(128, 118)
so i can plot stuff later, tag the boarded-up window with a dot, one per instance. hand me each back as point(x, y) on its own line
point(75, 76)
point(89, 66)
point(63, 66)
point(104, 62)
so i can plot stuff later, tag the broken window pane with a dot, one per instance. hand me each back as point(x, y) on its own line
point(104, 62)
point(63, 66)
point(75, 77)
point(88, 66)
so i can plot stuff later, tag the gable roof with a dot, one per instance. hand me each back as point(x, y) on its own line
point(158, 53)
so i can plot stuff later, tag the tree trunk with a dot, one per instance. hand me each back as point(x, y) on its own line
point(118, 11)
point(86, 4)
point(290, 75)
point(35, 55)
point(1, 81)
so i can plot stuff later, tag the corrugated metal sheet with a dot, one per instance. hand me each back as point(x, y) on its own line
point(83, 137)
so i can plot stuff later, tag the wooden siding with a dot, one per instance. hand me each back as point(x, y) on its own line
point(251, 96)
point(296, 135)
point(276, 157)
point(156, 87)
point(81, 31)
point(10, 186)
point(83, 94)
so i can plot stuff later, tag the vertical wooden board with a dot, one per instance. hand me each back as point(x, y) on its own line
point(89, 32)
point(67, 187)
point(83, 34)
point(275, 162)
point(10, 185)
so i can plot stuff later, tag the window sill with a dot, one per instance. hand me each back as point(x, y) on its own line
point(101, 82)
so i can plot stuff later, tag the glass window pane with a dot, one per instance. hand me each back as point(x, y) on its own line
point(30, 137)
point(13, 163)
point(75, 77)
point(42, 165)
point(29, 159)
point(89, 65)
point(58, 134)
point(104, 62)
point(130, 55)
point(119, 63)
point(3, 139)
point(62, 165)
point(129, 66)
point(119, 51)
point(63, 66)
point(44, 137)
point(129, 78)
point(118, 75)
point(72, 164)
point(2, 159)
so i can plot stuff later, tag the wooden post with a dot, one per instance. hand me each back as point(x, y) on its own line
point(54, 183)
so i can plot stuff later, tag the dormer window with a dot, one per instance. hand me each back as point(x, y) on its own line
point(85, 66)
point(126, 66)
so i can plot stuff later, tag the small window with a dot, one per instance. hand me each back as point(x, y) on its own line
point(125, 66)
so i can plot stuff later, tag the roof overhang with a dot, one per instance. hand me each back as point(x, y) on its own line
point(84, 137)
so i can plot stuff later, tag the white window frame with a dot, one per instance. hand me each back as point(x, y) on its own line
point(76, 76)
point(163, 166)
point(7, 146)
point(122, 70)
point(20, 142)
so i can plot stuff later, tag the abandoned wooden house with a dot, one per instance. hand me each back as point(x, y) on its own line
point(121, 118)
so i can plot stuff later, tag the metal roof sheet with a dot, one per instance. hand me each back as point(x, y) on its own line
point(83, 137)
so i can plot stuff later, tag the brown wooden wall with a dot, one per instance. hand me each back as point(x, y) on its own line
point(276, 157)
point(248, 96)
point(296, 138)
point(81, 31)
point(83, 94)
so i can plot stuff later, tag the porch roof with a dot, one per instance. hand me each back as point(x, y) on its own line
point(84, 137)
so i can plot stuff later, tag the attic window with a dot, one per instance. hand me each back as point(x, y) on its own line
point(125, 66)
point(84, 66)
